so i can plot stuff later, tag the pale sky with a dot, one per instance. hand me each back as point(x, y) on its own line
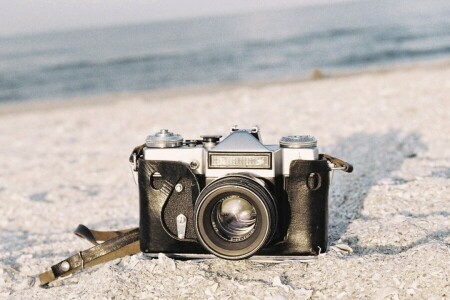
point(26, 16)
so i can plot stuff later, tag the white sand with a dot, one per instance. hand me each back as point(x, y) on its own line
point(67, 165)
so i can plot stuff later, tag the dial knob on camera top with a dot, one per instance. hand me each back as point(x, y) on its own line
point(210, 141)
point(164, 139)
point(192, 143)
point(211, 138)
point(298, 141)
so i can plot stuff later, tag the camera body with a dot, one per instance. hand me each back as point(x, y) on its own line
point(233, 198)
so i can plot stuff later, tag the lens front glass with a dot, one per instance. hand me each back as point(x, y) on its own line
point(234, 218)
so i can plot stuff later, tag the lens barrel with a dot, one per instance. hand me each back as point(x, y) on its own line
point(235, 216)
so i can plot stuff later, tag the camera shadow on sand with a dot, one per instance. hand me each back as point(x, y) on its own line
point(375, 157)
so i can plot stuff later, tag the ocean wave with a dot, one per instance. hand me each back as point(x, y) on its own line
point(402, 35)
point(71, 66)
point(389, 55)
point(10, 96)
point(31, 53)
point(86, 64)
point(6, 83)
point(310, 37)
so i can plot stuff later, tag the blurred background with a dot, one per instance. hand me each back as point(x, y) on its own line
point(67, 49)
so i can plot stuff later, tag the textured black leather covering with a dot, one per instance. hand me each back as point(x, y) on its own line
point(158, 229)
point(303, 207)
point(307, 188)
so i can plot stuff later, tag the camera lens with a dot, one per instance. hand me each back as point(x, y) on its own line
point(235, 216)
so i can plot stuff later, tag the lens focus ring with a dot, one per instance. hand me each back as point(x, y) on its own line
point(235, 216)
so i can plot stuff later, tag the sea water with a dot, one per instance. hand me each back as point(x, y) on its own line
point(252, 47)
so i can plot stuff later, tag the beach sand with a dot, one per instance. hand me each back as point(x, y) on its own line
point(62, 164)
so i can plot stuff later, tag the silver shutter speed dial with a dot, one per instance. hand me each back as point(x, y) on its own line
point(164, 139)
point(298, 141)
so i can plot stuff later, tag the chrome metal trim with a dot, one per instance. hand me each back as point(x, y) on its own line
point(256, 258)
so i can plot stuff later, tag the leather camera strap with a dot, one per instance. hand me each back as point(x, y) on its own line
point(109, 245)
point(339, 163)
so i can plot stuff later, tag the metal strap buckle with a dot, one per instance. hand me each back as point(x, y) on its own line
point(134, 169)
point(82, 260)
point(337, 168)
point(134, 163)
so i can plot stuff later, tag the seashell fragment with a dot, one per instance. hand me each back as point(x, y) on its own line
point(343, 247)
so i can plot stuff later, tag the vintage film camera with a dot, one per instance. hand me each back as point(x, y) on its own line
point(234, 197)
